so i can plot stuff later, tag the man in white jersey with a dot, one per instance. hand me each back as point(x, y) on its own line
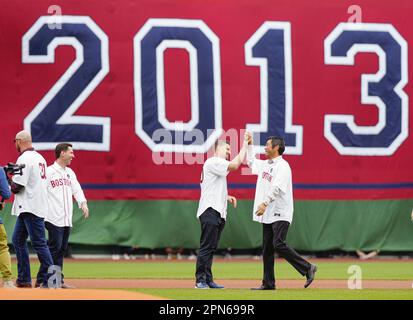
point(62, 186)
point(30, 206)
point(273, 207)
point(212, 210)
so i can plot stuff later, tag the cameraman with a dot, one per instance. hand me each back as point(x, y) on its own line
point(30, 206)
point(5, 262)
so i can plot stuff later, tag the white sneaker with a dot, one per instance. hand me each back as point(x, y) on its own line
point(9, 284)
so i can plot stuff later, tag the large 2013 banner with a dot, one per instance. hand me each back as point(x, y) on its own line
point(144, 88)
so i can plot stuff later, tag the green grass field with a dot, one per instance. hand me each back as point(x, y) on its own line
point(281, 294)
point(372, 270)
point(385, 270)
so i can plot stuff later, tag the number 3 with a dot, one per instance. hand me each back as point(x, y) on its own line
point(384, 89)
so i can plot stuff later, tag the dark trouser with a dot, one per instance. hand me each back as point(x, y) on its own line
point(27, 224)
point(211, 228)
point(58, 242)
point(274, 236)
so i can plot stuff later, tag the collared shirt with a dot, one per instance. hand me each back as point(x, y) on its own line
point(274, 186)
point(33, 197)
point(214, 191)
point(62, 186)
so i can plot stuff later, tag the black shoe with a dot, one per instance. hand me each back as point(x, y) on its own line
point(214, 285)
point(262, 287)
point(310, 275)
point(37, 285)
point(23, 284)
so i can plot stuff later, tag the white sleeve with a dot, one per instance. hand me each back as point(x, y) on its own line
point(254, 163)
point(77, 190)
point(218, 166)
point(279, 183)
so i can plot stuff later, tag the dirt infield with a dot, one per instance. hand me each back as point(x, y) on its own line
point(232, 284)
point(73, 294)
point(98, 289)
point(117, 289)
point(109, 289)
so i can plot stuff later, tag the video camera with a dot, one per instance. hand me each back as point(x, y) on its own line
point(13, 169)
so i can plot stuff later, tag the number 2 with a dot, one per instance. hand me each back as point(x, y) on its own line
point(52, 120)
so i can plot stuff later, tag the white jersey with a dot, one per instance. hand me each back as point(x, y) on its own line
point(33, 197)
point(274, 186)
point(214, 191)
point(62, 186)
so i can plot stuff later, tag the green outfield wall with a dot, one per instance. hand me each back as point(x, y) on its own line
point(317, 226)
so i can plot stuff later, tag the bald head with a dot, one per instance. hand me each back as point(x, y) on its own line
point(23, 140)
point(24, 136)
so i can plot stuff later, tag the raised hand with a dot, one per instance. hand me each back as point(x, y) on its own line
point(233, 201)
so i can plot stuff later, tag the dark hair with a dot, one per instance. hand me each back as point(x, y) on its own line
point(220, 142)
point(61, 147)
point(277, 141)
